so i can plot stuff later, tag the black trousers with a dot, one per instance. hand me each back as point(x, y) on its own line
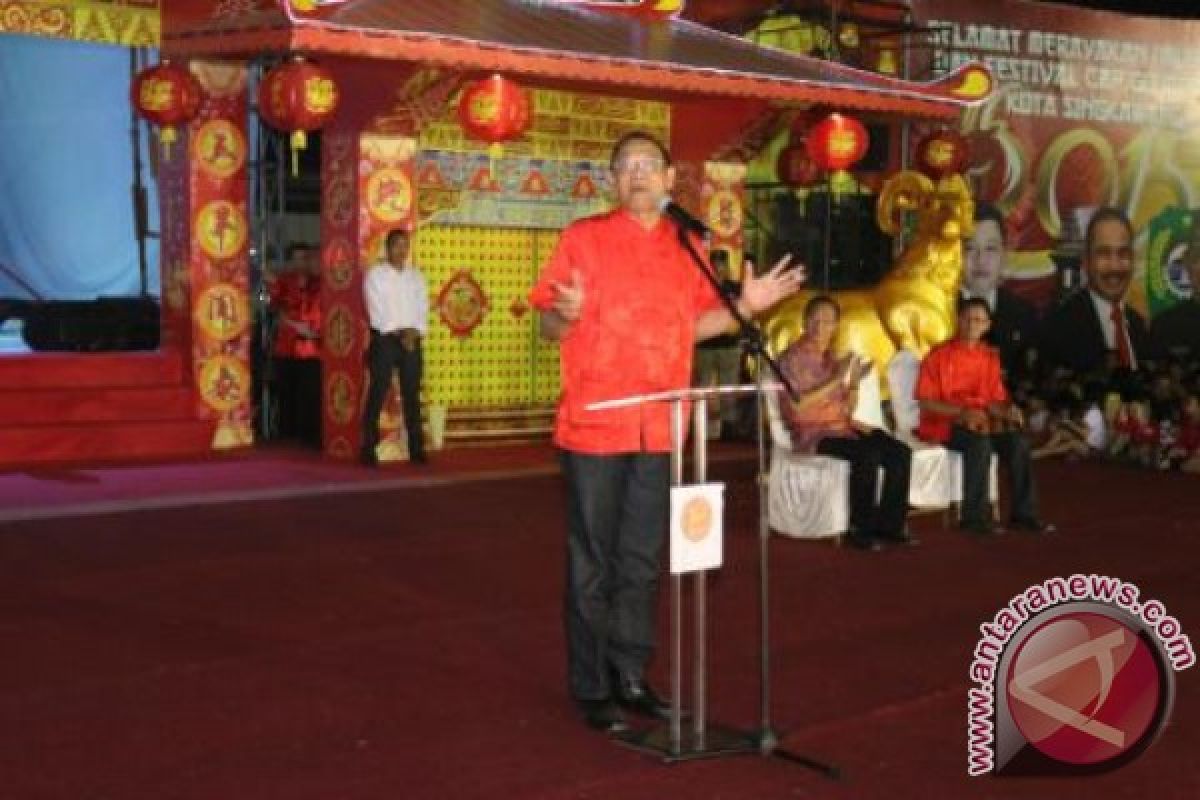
point(617, 515)
point(298, 392)
point(977, 449)
point(385, 354)
point(866, 454)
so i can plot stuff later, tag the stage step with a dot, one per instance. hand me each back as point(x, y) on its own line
point(516, 424)
point(83, 408)
point(82, 370)
point(104, 404)
point(111, 442)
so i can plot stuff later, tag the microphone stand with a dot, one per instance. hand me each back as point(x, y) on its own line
point(754, 344)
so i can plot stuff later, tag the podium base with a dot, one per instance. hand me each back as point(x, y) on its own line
point(716, 742)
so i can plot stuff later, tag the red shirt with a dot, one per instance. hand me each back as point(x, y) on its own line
point(806, 368)
point(958, 373)
point(635, 333)
point(296, 296)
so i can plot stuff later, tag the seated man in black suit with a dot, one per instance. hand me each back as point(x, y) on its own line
point(1014, 321)
point(1177, 330)
point(1094, 329)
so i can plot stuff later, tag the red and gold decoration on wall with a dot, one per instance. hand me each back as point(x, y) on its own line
point(341, 294)
point(942, 153)
point(837, 142)
point(795, 167)
point(224, 383)
point(339, 332)
point(131, 23)
point(166, 95)
point(219, 148)
point(723, 189)
point(462, 303)
point(494, 110)
point(215, 244)
point(297, 96)
point(222, 312)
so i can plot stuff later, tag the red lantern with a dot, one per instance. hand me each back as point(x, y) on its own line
point(942, 153)
point(298, 96)
point(166, 95)
point(837, 142)
point(494, 109)
point(796, 168)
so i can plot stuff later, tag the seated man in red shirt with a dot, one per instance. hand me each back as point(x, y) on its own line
point(965, 407)
point(821, 420)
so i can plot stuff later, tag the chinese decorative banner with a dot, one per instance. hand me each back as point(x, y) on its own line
point(387, 200)
point(1093, 109)
point(132, 23)
point(343, 337)
point(723, 194)
point(218, 265)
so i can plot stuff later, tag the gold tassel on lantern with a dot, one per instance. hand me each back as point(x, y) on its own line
point(299, 141)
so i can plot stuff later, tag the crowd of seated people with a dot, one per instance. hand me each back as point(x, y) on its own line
point(1089, 380)
point(1095, 380)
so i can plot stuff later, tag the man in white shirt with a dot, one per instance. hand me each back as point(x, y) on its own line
point(397, 301)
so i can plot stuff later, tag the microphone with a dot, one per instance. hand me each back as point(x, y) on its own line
point(682, 218)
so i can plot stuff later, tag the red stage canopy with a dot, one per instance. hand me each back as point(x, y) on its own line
point(562, 42)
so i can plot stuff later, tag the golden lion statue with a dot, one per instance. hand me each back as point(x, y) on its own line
point(914, 306)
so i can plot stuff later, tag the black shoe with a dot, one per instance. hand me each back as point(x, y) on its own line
point(636, 696)
point(603, 715)
point(419, 458)
point(982, 528)
point(901, 537)
point(863, 541)
point(1032, 525)
point(368, 458)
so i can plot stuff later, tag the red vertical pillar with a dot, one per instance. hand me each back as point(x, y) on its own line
point(217, 263)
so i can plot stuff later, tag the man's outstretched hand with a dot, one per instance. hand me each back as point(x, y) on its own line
point(761, 292)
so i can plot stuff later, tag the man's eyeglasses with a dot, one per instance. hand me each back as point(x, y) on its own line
point(628, 166)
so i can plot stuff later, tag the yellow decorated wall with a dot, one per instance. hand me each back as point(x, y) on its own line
point(502, 362)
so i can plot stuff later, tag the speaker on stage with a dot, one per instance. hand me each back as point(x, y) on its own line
point(106, 324)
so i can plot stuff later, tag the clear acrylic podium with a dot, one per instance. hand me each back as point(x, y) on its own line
point(699, 739)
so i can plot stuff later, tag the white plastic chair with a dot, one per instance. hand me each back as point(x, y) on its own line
point(808, 496)
point(937, 479)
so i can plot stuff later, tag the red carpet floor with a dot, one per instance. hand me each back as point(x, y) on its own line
point(405, 642)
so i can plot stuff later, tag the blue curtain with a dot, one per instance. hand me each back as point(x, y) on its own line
point(66, 172)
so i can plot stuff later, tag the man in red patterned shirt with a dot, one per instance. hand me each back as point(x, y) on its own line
point(965, 406)
point(626, 304)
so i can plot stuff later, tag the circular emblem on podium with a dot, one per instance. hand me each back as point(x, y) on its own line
point(338, 263)
point(390, 195)
point(224, 383)
point(340, 399)
point(219, 148)
point(339, 330)
point(461, 303)
point(221, 311)
point(696, 519)
point(221, 229)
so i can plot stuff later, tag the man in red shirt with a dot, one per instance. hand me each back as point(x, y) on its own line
point(295, 296)
point(626, 304)
point(965, 407)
